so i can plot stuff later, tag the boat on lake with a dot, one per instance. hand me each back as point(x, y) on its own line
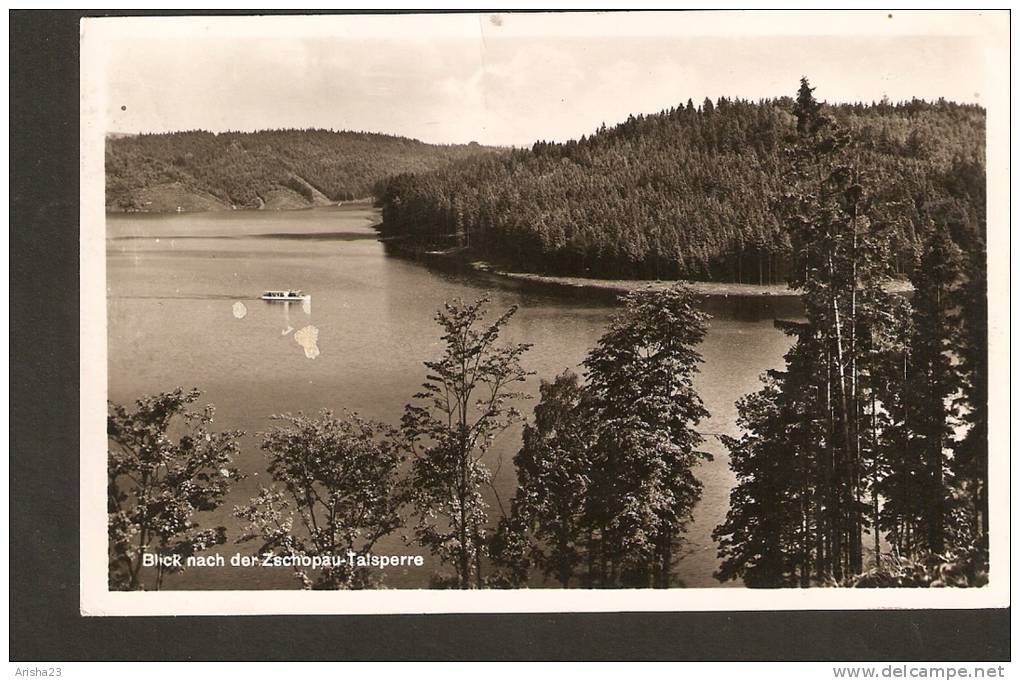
point(287, 295)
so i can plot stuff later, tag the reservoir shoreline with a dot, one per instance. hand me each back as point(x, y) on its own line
point(457, 259)
point(462, 261)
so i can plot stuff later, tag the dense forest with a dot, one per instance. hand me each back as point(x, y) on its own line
point(272, 168)
point(690, 192)
point(877, 427)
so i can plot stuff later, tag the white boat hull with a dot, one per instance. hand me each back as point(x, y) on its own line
point(286, 295)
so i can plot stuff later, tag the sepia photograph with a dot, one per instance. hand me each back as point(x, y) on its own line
point(525, 312)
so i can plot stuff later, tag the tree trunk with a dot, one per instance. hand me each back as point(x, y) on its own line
point(874, 478)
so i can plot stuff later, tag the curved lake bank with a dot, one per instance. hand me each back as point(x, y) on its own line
point(459, 260)
point(173, 282)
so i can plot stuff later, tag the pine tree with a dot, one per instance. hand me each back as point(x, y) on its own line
point(835, 422)
point(966, 221)
point(765, 538)
point(807, 109)
point(933, 376)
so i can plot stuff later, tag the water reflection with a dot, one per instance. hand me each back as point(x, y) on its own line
point(286, 318)
point(753, 308)
point(306, 308)
point(307, 337)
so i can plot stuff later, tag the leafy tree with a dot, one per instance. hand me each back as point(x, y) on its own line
point(968, 569)
point(554, 474)
point(466, 402)
point(606, 484)
point(335, 492)
point(641, 377)
point(164, 465)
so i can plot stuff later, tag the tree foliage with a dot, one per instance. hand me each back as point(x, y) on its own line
point(549, 527)
point(856, 436)
point(875, 428)
point(685, 193)
point(335, 492)
point(606, 482)
point(164, 466)
point(766, 537)
point(241, 168)
point(465, 402)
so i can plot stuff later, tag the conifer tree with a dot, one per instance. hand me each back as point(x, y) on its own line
point(933, 377)
point(840, 409)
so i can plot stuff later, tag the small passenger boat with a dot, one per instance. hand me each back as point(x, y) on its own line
point(288, 295)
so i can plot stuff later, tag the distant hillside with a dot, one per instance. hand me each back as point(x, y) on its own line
point(200, 170)
point(686, 193)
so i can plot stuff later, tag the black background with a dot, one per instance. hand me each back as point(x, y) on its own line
point(45, 624)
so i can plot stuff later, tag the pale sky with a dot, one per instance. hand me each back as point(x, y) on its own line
point(512, 79)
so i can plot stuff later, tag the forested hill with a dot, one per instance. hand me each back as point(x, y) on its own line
point(200, 170)
point(686, 193)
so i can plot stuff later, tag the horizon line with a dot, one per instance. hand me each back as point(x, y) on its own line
point(760, 100)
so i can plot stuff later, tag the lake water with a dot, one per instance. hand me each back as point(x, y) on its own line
point(184, 310)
